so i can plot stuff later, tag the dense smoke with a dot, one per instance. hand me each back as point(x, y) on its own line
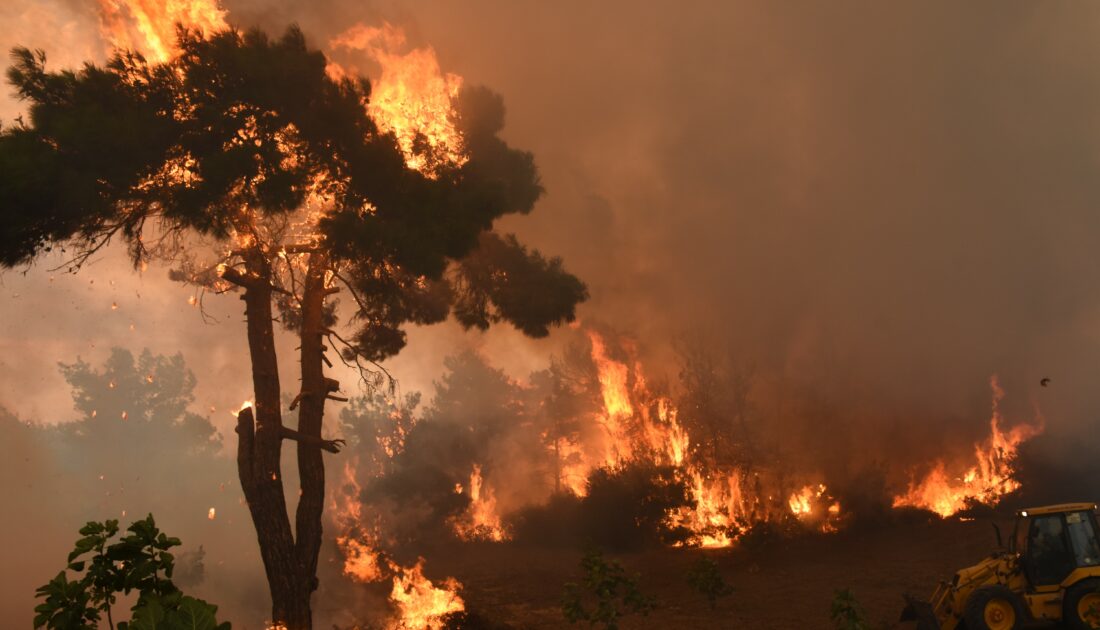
point(858, 212)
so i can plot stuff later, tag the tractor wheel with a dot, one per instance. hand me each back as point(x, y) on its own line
point(1081, 606)
point(994, 608)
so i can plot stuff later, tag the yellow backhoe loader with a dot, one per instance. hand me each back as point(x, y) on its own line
point(1049, 572)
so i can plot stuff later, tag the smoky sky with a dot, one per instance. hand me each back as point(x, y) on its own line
point(884, 202)
point(893, 202)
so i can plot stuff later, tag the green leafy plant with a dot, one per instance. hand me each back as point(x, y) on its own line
point(604, 595)
point(847, 613)
point(705, 578)
point(104, 567)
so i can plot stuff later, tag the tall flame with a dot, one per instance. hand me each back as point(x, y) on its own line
point(413, 98)
point(481, 520)
point(986, 481)
point(149, 26)
point(419, 603)
point(723, 503)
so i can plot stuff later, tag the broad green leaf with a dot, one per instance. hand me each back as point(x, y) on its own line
point(150, 615)
point(193, 614)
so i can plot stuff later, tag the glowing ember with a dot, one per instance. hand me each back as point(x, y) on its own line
point(413, 97)
point(985, 482)
point(149, 26)
point(481, 521)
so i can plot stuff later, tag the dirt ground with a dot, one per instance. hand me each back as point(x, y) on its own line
point(784, 584)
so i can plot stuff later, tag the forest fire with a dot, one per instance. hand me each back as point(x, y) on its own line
point(149, 26)
point(418, 602)
point(481, 520)
point(639, 425)
point(947, 491)
point(413, 97)
point(351, 216)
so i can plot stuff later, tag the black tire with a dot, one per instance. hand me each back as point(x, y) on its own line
point(974, 615)
point(1071, 617)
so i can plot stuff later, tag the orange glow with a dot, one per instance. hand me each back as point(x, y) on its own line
point(419, 602)
point(361, 560)
point(613, 377)
point(947, 490)
point(149, 26)
point(724, 501)
point(812, 505)
point(413, 97)
point(211, 514)
point(480, 521)
point(718, 513)
point(245, 405)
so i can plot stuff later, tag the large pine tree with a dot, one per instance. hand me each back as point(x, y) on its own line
point(254, 171)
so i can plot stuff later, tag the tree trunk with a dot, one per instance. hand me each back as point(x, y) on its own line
point(315, 389)
point(290, 559)
point(291, 580)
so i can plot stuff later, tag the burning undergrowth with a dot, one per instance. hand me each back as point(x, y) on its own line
point(589, 451)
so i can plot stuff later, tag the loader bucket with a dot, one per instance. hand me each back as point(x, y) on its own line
point(921, 612)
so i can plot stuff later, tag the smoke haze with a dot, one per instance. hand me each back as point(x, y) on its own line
point(874, 206)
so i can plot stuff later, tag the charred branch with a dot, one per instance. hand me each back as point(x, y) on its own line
point(332, 446)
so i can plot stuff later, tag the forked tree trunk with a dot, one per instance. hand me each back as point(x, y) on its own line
point(315, 390)
point(290, 565)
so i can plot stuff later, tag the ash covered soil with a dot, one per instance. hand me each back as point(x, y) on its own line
point(780, 583)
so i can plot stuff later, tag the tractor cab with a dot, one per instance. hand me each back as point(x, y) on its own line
point(1050, 571)
point(1052, 542)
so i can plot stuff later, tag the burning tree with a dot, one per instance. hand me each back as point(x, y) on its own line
point(257, 169)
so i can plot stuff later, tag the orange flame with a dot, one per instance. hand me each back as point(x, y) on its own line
point(637, 424)
point(149, 26)
point(420, 603)
point(412, 98)
point(718, 512)
point(985, 482)
point(481, 521)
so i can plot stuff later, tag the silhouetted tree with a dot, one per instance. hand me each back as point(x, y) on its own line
point(559, 408)
point(714, 404)
point(247, 142)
